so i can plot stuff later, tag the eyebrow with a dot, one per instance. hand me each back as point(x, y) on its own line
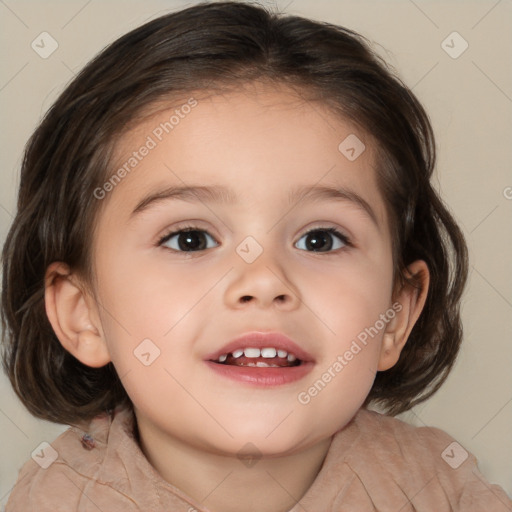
point(225, 195)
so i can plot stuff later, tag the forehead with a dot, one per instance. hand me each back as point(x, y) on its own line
point(260, 142)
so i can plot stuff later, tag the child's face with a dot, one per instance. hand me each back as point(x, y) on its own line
point(190, 304)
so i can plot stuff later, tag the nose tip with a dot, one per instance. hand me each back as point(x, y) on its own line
point(267, 281)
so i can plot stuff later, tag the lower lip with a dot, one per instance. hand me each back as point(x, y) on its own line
point(262, 377)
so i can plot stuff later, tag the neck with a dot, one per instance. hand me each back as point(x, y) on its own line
point(227, 483)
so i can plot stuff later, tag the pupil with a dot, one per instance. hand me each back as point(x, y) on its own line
point(191, 240)
point(318, 238)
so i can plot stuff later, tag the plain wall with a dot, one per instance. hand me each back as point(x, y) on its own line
point(469, 100)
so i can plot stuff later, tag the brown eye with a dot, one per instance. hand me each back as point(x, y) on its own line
point(324, 240)
point(186, 240)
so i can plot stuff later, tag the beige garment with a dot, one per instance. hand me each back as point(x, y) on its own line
point(375, 463)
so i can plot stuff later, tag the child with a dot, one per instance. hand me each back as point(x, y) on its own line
point(226, 248)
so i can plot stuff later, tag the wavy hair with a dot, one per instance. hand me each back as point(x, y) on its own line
point(217, 46)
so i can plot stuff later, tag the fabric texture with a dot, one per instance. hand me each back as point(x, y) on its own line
point(375, 463)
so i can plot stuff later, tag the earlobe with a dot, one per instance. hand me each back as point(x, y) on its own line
point(408, 307)
point(73, 317)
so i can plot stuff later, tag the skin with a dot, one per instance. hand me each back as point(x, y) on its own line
point(261, 142)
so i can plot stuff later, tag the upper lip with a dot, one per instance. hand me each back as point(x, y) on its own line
point(259, 339)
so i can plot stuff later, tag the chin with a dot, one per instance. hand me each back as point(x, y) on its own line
point(267, 439)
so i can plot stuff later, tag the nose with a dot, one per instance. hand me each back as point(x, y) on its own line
point(264, 283)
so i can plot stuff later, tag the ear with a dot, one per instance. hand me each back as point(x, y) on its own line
point(74, 316)
point(408, 306)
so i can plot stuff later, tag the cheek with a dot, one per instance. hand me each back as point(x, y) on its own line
point(346, 295)
point(150, 314)
point(148, 297)
point(349, 299)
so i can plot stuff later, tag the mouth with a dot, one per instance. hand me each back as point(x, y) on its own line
point(267, 357)
point(261, 359)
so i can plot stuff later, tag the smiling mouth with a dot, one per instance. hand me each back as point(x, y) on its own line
point(254, 357)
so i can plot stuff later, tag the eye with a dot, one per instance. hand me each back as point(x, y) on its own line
point(193, 239)
point(321, 240)
point(187, 239)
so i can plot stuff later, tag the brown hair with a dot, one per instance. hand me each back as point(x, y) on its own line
point(212, 47)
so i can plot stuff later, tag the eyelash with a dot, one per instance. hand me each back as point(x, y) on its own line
point(183, 229)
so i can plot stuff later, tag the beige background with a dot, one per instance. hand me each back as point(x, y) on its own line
point(469, 100)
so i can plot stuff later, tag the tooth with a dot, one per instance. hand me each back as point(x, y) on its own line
point(282, 353)
point(268, 352)
point(223, 357)
point(262, 364)
point(237, 353)
point(291, 357)
point(252, 352)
